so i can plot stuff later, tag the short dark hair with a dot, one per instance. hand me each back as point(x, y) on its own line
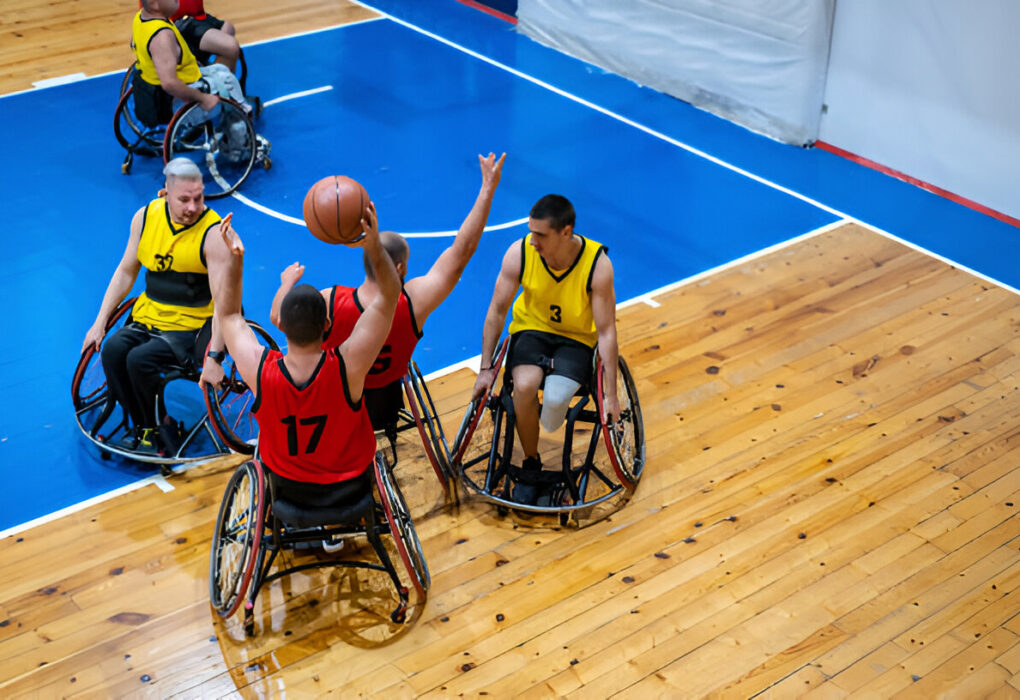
point(303, 315)
point(556, 208)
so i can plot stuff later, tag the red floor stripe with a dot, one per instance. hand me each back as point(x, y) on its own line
point(919, 183)
point(489, 10)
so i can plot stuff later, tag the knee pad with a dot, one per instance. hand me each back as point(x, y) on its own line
point(556, 399)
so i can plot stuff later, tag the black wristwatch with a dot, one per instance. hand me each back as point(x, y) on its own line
point(217, 355)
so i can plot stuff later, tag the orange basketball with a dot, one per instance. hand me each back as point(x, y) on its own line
point(334, 207)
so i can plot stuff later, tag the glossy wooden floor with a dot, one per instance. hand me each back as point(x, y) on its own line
point(829, 509)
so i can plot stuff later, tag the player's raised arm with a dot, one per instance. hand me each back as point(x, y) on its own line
point(226, 256)
point(428, 291)
point(366, 340)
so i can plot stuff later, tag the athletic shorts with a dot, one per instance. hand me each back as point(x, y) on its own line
point(554, 353)
point(194, 29)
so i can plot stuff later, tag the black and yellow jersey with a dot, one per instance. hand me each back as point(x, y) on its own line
point(142, 31)
point(177, 295)
point(557, 301)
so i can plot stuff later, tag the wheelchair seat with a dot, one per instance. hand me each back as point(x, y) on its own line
point(218, 425)
point(223, 142)
point(255, 525)
point(594, 476)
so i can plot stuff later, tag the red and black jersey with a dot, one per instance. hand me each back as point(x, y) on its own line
point(305, 432)
point(390, 366)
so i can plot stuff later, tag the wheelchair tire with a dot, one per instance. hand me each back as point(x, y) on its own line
point(476, 408)
point(132, 135)
point(229, 406)
point(237, 538)
point(625, 439)
point(423, 410)
point(221, 143)
point(89, 392)
point(398, 519)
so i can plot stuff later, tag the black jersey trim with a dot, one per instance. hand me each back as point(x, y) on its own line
point(329, 312)
point(357, 302)
point(520, 275)
point(258, 382)
point(201, 244)
point(560, 278)
point(418, 332)
point(311, 378)
point(170, 222)
point(355, 405)
point(594, 262)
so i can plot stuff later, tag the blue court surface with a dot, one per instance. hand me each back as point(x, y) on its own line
point(404, 104)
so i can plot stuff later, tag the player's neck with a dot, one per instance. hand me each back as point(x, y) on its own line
point(301, 361)
point(567, 255)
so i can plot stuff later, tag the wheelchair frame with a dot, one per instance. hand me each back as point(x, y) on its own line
point(249, 536)
point(488, 474)
point(213, 424)
point(195, 136)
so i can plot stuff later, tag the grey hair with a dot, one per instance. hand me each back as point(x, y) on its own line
point(182, 168)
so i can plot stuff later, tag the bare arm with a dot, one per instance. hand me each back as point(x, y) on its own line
point(290, 276)
point(366, 340)
point(603, 309)
point(121, 282)
point(226, 252)
point(428, 291)
point(507, 284)
point(164, 50)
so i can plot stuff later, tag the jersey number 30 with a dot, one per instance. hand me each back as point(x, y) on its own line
point(292, 432)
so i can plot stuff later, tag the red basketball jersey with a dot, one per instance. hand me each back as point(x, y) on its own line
point(308, 432)
point(391, 365)
point(195, 8)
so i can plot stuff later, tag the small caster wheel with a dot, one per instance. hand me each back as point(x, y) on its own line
point(267, 163)
point(166, 470)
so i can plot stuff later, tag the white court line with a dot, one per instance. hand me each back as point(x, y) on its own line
point(295, 95)
point(47, 83)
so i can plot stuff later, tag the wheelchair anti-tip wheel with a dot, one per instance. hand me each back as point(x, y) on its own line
point(398, 518)
point(237, 538)
point(132, 134)
point(229, 405)
point(221, 142)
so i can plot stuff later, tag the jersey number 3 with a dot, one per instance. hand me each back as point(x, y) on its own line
point(556, 315)
point(292, 432)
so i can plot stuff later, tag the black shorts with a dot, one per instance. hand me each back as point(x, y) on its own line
point(384, 404)
point(310, 495)
point(554, 353)
point(193, 30)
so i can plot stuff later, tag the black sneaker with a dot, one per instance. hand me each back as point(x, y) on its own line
point(171, 434)
point(523, 491)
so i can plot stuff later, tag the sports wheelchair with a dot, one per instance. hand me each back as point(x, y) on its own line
point(589, 485)
point(222, 142)
point(254, 526)
point(413, 408)
point(225, 424)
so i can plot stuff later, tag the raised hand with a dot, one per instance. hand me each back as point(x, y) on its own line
point(230, 237)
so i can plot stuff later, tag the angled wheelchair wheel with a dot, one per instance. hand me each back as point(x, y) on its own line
point(221, 142)
point(132, 135)
point(93, 407)
point(398, 518)
point(423, 411)
point(229, 405)
point(625, 437)
point(476, 408)
point(237, 538)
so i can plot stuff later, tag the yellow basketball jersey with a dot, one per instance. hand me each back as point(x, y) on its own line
point(176, 296)
point(142, 31)
point(557, 301)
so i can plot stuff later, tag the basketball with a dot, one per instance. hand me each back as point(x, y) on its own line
point(334, 207)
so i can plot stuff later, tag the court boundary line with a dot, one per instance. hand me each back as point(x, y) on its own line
point(251, 43)
point(472, 362)
point(468, 363)
point(680, 144)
